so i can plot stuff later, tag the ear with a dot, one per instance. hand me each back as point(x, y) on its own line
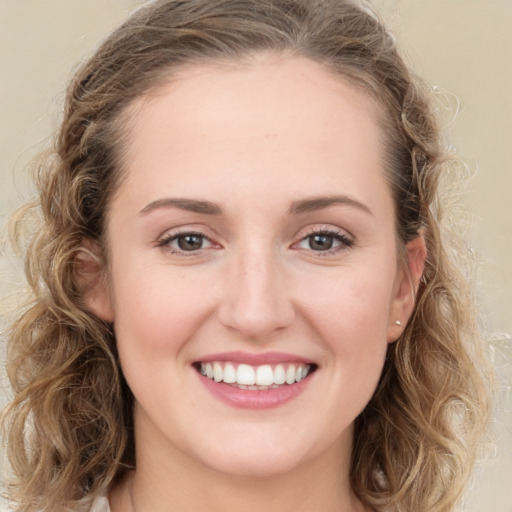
point(91, 278)
point(406, 286)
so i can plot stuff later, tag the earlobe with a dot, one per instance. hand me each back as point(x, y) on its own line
point(90, 275)
point(406, 287)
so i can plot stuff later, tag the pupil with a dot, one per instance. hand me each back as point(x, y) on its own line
point(190, 242)
point(320, 242)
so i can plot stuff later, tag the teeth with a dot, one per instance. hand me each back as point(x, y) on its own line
point(279, 374)
point(264, 375)
point(290, 374)
point(218, 374)
point(255, 377)
point(245, 375)
point(229, 374)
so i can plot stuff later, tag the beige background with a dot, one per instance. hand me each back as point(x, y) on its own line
point(462, 46)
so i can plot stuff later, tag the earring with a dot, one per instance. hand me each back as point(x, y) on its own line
point(397, 322)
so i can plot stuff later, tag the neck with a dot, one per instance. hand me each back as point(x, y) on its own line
point(318, 484)
point(168, 479)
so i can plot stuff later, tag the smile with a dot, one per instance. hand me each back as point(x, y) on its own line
point(262, 377)
point(255, 381)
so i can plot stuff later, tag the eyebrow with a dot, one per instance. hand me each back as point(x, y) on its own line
point(296, 208)
point(318, 203)
point(191, 205)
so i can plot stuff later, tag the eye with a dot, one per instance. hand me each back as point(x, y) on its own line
point(186, 242)
point(325, 241)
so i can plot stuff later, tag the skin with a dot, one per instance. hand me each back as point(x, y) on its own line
point(254, 140)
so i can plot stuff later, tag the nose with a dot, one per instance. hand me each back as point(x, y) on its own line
point(256, 299)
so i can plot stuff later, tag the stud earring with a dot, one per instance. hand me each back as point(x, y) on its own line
point(397, 322)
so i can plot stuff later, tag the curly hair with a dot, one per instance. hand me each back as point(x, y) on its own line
point(69, 427)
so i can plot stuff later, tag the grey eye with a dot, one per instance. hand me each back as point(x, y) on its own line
point(190, 242)
point(325, 241)
point(319, 242)
point(186, 242)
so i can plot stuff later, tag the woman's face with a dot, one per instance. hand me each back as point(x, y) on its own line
point(253, 240)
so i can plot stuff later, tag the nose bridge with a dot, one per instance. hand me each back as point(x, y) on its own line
point(256, 302)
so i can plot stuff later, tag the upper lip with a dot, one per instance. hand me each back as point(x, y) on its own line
point(254, 359)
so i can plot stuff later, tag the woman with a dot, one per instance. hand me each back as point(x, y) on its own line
point(244, 296)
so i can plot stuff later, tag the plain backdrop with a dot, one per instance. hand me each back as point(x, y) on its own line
point(464, 47)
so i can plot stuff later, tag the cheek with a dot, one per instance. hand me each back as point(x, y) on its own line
point(349, 302)
point(155, 319)
point(157, 310)
point(349, 317)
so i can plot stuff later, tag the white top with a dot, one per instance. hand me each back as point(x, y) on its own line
point(100, 505)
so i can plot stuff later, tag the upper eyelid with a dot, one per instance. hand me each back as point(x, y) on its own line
point(164, 244)
point(339, 236)
point(324, 228)
point(193, 229)
point(214, 237)
point(170, 233)
point(165, 240)
point(346, 239)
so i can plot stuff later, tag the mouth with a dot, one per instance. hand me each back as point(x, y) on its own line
point(256, 378)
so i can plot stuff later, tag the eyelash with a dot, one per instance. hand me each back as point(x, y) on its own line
point(344, 242)
point(164, 243)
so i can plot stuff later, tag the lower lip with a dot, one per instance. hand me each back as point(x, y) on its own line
point(254, 398)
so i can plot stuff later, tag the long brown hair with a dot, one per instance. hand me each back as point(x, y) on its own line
point(69, 427)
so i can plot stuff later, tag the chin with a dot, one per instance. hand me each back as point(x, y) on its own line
point(255, 467)
point(254, 458)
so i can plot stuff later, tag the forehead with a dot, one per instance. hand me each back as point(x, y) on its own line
point(273, 116)
point(270, 82)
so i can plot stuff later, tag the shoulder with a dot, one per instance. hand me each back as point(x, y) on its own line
point(100, 505)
